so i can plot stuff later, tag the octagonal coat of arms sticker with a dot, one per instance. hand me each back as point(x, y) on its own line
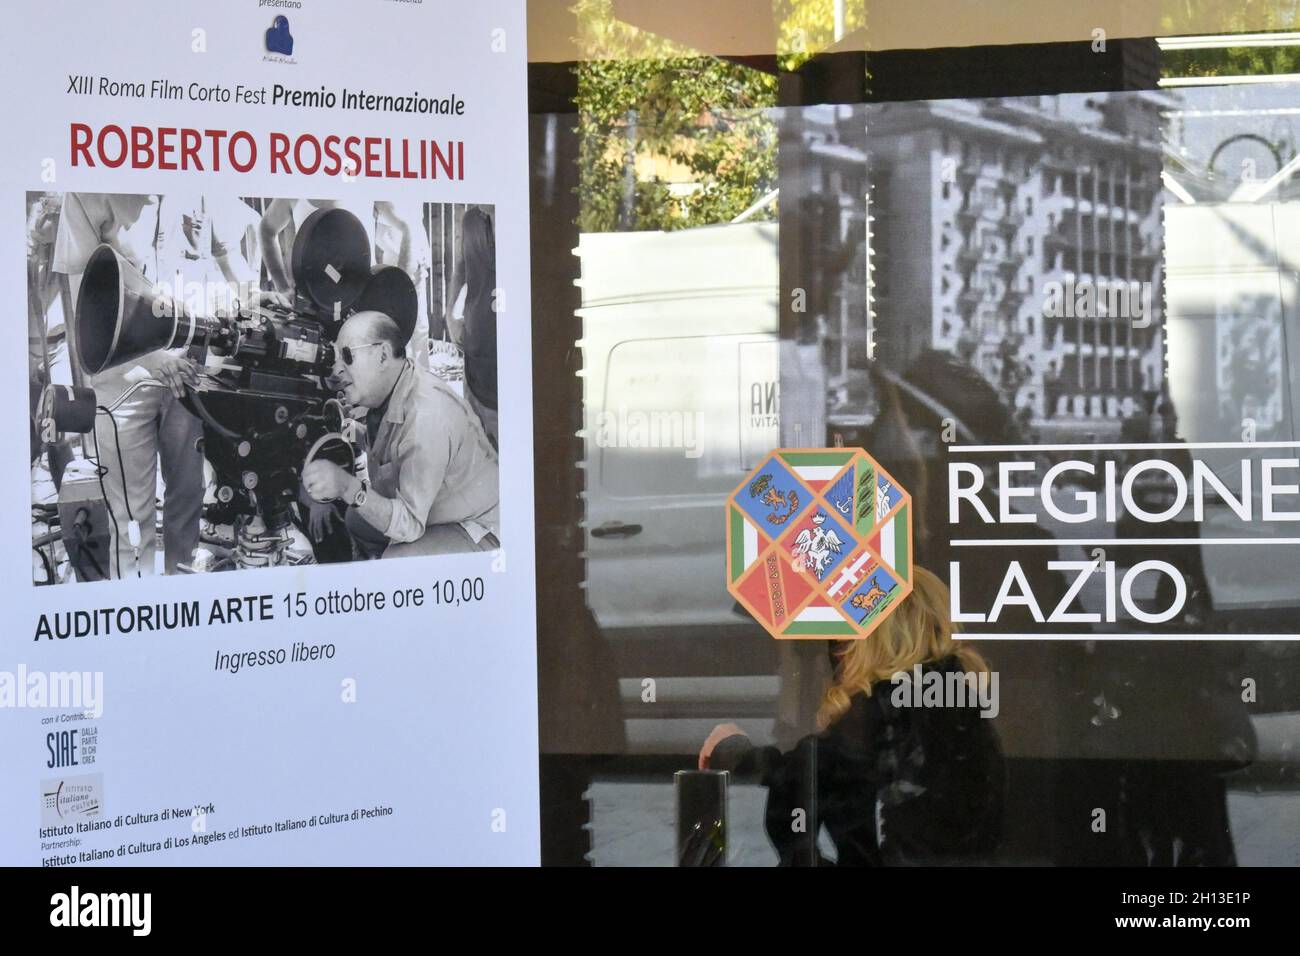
point(819, 543)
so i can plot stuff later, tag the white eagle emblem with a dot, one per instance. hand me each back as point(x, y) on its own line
point(883, 501)
point(813, 549)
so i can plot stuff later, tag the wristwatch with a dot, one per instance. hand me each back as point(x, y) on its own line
point(359, 498)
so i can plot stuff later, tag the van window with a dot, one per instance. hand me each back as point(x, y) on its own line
point(679, 414)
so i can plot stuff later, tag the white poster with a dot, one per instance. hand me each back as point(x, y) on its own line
point(280, 605)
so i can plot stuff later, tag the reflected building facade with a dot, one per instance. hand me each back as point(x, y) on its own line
point(1024, 235)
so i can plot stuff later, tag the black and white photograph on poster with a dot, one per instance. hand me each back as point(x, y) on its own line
point(223, 383)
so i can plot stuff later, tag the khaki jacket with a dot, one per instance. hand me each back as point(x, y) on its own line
point(432, 458)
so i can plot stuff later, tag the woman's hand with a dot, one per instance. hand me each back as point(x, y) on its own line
point(716, 736)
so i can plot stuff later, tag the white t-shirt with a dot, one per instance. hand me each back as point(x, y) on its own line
point(388, 240)
point(89, 219)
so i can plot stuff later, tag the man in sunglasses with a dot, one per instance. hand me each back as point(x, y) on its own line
point(433, 473)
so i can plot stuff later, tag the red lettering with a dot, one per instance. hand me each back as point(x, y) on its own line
point(141, 147)
point(216, 135)
point(243, 136)
point(81, 137)
point(280, 152)
point(190, 142)
point(166, 147)
point(121, 141)
point(389, 172)
point(147, 147)
point(440, 160)
point(354, 158)
point(309, 140)
point(332, 162)
point(372, 157)
point(407, 171)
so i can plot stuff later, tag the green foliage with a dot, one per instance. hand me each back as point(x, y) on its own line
point(1240, 16)
point(1232, 61)
point(644, 102)
point(806, 27)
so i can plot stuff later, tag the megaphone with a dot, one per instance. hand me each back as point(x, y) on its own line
point(121, 315)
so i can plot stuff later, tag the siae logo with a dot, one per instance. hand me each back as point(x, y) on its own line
point(75, 908)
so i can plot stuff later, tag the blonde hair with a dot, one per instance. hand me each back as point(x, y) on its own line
point(919, 631)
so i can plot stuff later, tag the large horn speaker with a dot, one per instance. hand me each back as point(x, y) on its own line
point(121, 317)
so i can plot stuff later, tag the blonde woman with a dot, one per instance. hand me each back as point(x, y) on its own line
point(905, 769)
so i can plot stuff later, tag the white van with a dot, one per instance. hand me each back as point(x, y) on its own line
point(681, 391)
point(681, 398)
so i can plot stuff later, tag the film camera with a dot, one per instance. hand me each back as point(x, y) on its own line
point(266, 403)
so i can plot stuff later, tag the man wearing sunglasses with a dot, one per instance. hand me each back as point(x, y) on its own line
point(433, 473)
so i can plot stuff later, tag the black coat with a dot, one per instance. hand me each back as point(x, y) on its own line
point(892, 785)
